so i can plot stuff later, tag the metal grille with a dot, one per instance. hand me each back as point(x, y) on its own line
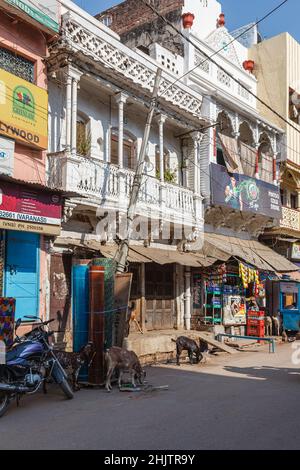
point(16, 65)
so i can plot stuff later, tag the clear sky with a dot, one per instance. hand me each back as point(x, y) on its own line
point(238, 13)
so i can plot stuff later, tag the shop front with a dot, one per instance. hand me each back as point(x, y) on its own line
point(226, 294)
point(28, 214)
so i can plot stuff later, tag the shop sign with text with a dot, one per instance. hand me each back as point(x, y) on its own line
point(24, 208)
point(23, 111)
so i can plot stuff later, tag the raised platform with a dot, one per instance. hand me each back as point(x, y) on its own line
point(157, 346)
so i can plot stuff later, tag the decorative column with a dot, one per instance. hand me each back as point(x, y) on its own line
point(75, 82)
point(72, 80)
point(275, 175)
point(121, 99)
point(187, 298)
point(161, 121)
point(257, 162)
point(257, 145)
point(197, 137)
point(298, 199)
point(68, 112)
point(275, 155)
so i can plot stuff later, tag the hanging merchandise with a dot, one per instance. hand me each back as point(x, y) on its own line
point(248, 275)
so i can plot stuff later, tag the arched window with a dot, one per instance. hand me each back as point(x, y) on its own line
point(265, 161)
point(247, 149)
point(129, 149)
point(227, 149)
point(83, 135)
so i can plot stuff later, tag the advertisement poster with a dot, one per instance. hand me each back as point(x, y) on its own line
point(23, 111)
point(243, 193)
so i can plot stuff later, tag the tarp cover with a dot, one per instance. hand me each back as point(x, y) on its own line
point(252, 252)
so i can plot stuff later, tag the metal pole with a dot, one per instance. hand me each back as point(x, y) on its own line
point(122, 254)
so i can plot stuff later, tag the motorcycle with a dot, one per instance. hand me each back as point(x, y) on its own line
point(29, 363)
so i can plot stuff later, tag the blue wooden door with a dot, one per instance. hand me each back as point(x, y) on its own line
point(22, 271)
point(80, 298)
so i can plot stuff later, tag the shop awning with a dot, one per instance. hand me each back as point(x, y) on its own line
point(278, 262)
point(165, 256)
point(231, 154)
point(252, 252)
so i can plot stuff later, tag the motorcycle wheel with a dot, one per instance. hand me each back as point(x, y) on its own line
point(67, 389)
point(4, 403)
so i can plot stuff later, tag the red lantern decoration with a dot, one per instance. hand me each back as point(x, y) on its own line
point(221, 20)
point(249, 65)
point(188, 20)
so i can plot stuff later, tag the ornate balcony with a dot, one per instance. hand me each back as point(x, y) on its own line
point(106, 186)
point(290, 219)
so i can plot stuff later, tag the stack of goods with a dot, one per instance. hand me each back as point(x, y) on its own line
point(248, 275)
point(7, 317)
point(256, 323)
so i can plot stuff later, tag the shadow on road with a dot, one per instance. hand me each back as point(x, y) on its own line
point(203, 409)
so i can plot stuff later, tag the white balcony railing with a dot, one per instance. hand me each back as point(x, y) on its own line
point(109, 187)
point(290, 219)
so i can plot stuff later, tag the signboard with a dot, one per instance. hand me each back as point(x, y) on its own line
point(26, 209)
point(23, 111)
point(296, 251)
point(289, 287)
point(7, 152)
point(36, 14)
point(243, 193)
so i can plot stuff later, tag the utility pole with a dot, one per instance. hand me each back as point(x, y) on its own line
point(122, 253)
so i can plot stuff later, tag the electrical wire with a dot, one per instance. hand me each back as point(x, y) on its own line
point(169, 23)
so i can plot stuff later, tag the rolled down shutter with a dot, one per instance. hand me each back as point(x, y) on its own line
point(231, 154)
point(248, 159)
point(266, 167)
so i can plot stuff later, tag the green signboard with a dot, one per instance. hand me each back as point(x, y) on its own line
point(35, 14)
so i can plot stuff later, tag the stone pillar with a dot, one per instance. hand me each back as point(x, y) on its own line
point(197, 137)
point(275, 175)
point(161, 122)
point(75, 82)
point(143, 297)
point(68, 112)
point(187, 297)
point(121, 99)
point(298, 199)
point(257, 176)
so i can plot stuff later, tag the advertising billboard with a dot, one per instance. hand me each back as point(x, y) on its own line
point(242, 193)
point(23, 111)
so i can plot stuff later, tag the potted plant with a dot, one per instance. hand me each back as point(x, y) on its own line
point(221, 20)
point(249, 65)
point(188, 20)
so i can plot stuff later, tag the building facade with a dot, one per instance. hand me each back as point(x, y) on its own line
point(240, 150)
point(100, 91)
point(279, 85)
point(30, 212)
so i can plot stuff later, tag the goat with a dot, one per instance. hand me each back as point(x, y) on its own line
point(73, 362)
point(124, 361)
point(269, 326)
point(276, 322)
point(186, 344)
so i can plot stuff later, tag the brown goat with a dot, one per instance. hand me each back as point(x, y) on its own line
point(124, 361)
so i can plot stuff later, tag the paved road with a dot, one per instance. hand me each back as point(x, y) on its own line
point(248, 401)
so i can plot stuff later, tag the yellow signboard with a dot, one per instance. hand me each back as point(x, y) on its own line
point(23, 111)
point(25, 227)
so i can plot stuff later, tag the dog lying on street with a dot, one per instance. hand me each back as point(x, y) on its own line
point(186, 344)
point(72, 362)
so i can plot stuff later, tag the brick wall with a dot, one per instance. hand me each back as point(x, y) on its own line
point(138, 26)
